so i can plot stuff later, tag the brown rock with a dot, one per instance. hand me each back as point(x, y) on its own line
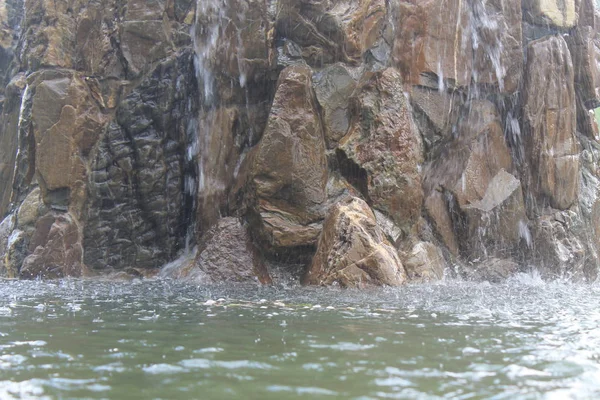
point(549, 120)
point(435, 112)
point(498, 54)
point(362, 22)
point(288, 174)
point(142, 43)
point(67, 122)
point(461, 173)
point(558, 13)
point(353, 251)
point(241, 54)
point(559, 251)
point(384, 144)
point(424, 263)
point(57, 250)
point(228, 255)
point(431, 38)
point(584, 46)
point(497, 223)
point(437, 208)
point(6, 228)
point(334, 86)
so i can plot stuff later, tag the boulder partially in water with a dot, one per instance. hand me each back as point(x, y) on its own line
point(55, 249)
point(353, 251)
point(382, 151)
point(289, 168)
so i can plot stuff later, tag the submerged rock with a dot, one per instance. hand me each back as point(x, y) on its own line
point(353, 251)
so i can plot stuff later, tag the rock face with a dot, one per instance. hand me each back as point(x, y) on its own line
point(431, 39)
point(289, 167)
point(549, 115)
point(354, 142)
point(353, 251)
point(383, 142)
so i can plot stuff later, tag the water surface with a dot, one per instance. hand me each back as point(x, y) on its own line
point(166, 340)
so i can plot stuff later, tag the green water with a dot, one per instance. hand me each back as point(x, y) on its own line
point(166, 340)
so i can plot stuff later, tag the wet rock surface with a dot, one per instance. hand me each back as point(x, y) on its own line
point(353, 251)
point(355, 142)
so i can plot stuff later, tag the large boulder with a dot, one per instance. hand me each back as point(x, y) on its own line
point(334, 86)
point(353, 251)
point(55, 249)
point(432, 37)
point(382, 151)
point(288, 172)
point(226, 254)
point(424, 263)
point(549, 123)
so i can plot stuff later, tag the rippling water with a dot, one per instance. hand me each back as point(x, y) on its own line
point(167, 340)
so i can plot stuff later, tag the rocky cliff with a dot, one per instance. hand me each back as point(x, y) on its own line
point(351, 142)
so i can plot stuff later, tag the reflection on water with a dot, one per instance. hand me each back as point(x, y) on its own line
point(167, 340)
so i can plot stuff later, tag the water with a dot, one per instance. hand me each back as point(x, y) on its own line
point(166, 340)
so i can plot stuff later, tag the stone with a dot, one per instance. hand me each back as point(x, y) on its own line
point(241, 55)
point(432, 38)
point(228, 255)
point(66, 124)
point(332, 31)
point(497, 224)
point(424, 263)
point(460, 173)
point(334, 86)
point(584, 46)
point(435, 112)
point(559, 251)
point(382, 150)
point(289, 169)
point(498, 54)
point(353, 251)
point(140, 185)
point(142, 43)
point(557, 13)
point(6, 228)
point(438, 210)
point(56, 250)
point(493, 270)
point(549, 123)
point(30, 210)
